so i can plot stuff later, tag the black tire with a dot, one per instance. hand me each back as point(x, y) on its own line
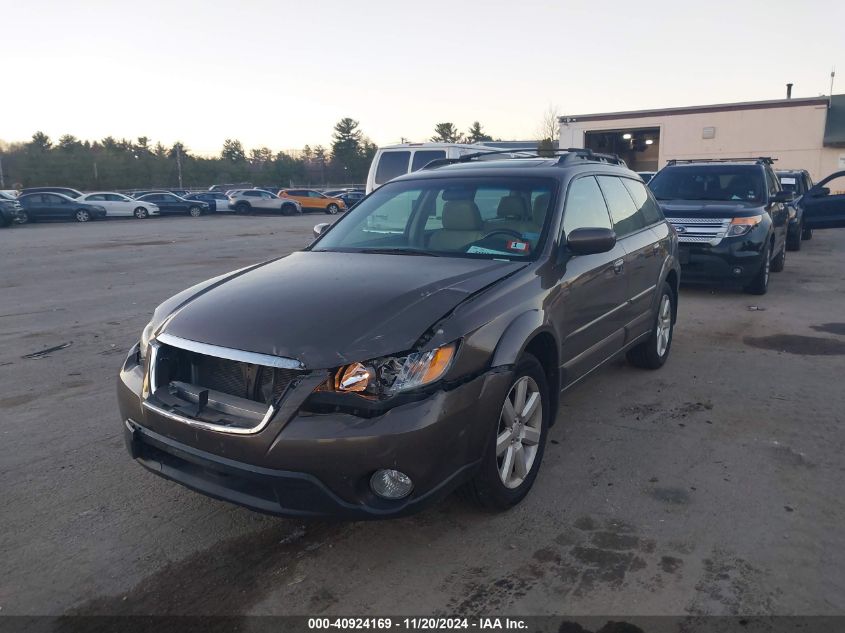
point(195, 211)
point(332, 209)
point(793, 239)
point(23, 217)
point(487, 489)
point(242, 208)
point(780, 261)
point(82, 215)
point(141, 213)
point(760, 284)
point(807, 234)
point(288, 209)
point(653, 352)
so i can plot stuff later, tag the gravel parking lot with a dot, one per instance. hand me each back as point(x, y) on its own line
point(713, 486)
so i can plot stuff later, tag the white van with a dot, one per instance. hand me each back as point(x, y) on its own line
point(394, 160)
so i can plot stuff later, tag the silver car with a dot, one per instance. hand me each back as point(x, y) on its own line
point(256, 200)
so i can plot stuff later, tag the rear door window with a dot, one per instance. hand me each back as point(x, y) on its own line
point(645, 202)
point(423, 157)
point(391, 165)
point(627, 218)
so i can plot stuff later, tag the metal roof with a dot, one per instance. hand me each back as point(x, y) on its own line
point(719, 107)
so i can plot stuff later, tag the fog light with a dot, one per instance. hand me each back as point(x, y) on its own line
point(391, 484)
point(737, 271)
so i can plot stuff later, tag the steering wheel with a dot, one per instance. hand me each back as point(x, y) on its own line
point(509, 232)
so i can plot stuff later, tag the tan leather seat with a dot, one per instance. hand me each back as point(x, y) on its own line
point(511, 215)
point(461, 226)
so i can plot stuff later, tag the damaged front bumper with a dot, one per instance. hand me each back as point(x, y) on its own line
point(311, 461)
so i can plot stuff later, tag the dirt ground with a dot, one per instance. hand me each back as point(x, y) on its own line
point(713, 486)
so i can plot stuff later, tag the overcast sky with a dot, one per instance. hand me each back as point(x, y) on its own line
point(281, 73)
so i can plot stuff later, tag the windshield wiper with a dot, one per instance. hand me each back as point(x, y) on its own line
point(397, 251)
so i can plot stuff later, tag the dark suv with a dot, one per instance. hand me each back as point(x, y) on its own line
point(798, 182)
point(420, 343)
point(731, 217)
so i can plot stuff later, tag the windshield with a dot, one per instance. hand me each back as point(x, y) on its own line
point(709, 182)
point(489, 218)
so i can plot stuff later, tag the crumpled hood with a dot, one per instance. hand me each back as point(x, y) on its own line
point(708, 209)
point(327, 309)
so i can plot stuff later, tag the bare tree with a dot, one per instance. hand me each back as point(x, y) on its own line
point(549, 129)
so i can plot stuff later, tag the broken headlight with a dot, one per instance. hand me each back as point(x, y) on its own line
point(146, 336)
point(390, 375)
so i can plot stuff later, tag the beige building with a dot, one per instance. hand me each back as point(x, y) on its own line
point(807, 133)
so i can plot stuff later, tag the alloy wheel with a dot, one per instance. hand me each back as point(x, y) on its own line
point(140, 213)
point(82, 216)
point(518, 435)
point(195, 212)
point(664, 325)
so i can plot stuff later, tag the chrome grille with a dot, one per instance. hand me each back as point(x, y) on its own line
point(701, 230)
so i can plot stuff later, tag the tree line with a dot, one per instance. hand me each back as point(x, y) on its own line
point(112, 163)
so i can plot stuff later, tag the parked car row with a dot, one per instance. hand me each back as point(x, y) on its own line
point(38, 203)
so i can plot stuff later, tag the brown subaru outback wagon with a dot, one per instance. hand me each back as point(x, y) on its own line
point(419, 344)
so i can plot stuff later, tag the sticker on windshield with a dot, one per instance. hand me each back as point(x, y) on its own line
point(787, 181)
point(518, 246)
point(480, 250)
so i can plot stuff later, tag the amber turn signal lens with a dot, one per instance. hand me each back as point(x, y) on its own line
point(439, 363)
point(751, 221)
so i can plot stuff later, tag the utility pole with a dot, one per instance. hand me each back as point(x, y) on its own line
point(96, 175)
point(832, 77)
point(2, 178)
point(179, 162)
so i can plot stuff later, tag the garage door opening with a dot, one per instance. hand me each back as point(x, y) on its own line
point(639, 147)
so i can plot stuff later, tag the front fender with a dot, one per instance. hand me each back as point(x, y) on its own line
point(516, 336)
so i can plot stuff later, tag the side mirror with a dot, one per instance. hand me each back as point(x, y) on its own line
point(588, 241)
point(783, 196)
point(819, 192)
point(320, 228)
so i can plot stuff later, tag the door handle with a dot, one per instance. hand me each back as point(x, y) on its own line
point(656, 247)
point(618, 266)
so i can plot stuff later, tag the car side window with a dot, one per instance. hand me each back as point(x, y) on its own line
point(772, 183)
point(585, 206)
point(392, 164)
point(96, 197)
point(627, 218)
point(646, 204)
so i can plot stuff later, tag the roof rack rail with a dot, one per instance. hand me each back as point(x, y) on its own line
point(768, 160)
point(567, 155)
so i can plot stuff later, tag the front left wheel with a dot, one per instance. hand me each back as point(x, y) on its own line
point(513, 454)
point(195, 212)
point(653, 352)
point(140, 213)
point(332, 209)
point(82, 215)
